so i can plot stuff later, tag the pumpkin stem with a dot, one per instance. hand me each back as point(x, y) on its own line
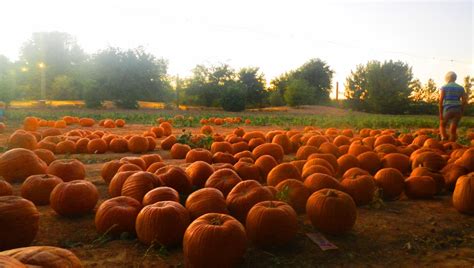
point(331, 193)
point(216, 221)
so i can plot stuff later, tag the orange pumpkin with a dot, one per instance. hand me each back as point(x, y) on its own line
point(97, 146)
point(74, 198)
point(391, 181)
point(67, 170)
point(138, 144)
point(199, 172)
point(420, 187)
point(117, 215)
point(463, 195)
point(175, 177)
point(361, 188)
point(206, 200)
point(318, 181)
point(138, 184)
point(162, 193)
point(18, 164)
point(293, 192)
point(22, 139)
point(244, 196)
point(38, 188)
point(224, 180)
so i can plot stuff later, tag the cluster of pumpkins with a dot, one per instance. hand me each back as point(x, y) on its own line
point(54, 141)
point(32, 123)
point(245, 189)
point(223, 120)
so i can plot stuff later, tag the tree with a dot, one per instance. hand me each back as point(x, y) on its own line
point(318, 75)
point(233, 99)
point(58, 51)
point(416, 90)
point(253, 83)
point(128, 76)
point(299, 92)
point(431, 91)
point(380, 87)
point(206, 85)
point(63, 88)
point(7, 79)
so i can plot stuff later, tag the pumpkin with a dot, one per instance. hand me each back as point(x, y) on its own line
point(466, 160)
point(67, 169)
point(361, 188)
point(316, 169)
point(437, 177)
point(318, 181)
point(167, 143)
point(221, 157)
point(167, 128)
point(81, 146)
point(318, 162)
point(214, 240)
point(163, 222)
point(46, 155)
point(329, 148)
point(248, 171)
point(346, 162)
point(10, 262)
point(316, 141)
point(46, 145)
point(391, 181)
point(451, 173)
point(30, 123)
point(138, 144)
point(158, 194)
point(282, 172)
point(370, 162)
point(305, 151)
point(155, 166)
point(138, 184)
point(463, 195)
point(150, 159)
point(175, 177)
point(129, 167)
point(430, 160)
point(253, 134)
point(224, 180)
point(217, 166)
point(398, 161)
point(86, 122)
point(331, 211)
point(199, 172)
point(18, 164)
point(271, 223)
point(206, 200)
point(38, 188)
point(118, 145)
point(158, 131)
point(43, 256)
point(384, 139)
point(265, 163)
point(207, 130)
point(356, 149)
point(97, 146)
point(66, 147)
point(22, 139)
point(243, 154)
point(109, 169)
point(5, 188)
point(198, 154)
point(222, 146)
point(420, 187)
point(244, 196)
point(19, 220)
point(74, 198)
point(386, 148)
point(240, 146)
point(117, 215)
point(331, 159)
point(272, 149)
point(293, 192)
point(116, 184)
point(151, 143)
point(355, 171)
point(284, 142)
point(134, 160)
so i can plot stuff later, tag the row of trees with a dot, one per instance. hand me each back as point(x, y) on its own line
point(127, 76)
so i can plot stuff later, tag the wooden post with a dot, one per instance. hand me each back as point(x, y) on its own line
point(337, 91)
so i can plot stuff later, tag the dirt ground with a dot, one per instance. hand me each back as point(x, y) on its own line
point(400, 233)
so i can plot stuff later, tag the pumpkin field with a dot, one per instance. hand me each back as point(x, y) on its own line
point(297, 188)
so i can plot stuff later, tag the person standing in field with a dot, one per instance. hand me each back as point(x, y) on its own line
point(452, 101)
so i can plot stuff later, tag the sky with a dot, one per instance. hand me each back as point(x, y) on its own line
point(431, 36)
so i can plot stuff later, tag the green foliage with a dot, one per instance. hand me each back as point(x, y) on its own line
point(253, 85)
point(468, 82)
point(275, 99)
point(318, 75)
point(233, 99)
point(64, 87)
point(427, 93)
point(7, 79)
point(299, 92)
point(380, 87)
point(193, 142)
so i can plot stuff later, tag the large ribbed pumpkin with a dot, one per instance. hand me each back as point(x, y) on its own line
point(199, 172)
point(18, 220)
point(38, 188)
point(22, 139)
point(163, 223)
point(318, 181)
point(271, 223)
point(420, 187)
point(67, 169)
point(224, 180)
point(282, 172)
point(293, 192)
point(117, 215)
point(361, 188)
point(138, 184)
point(44, 256)
point(138, 144)
point(174, 177)
point(463, 195)
point(391, 181)
point(162, 193)
point(331, 211)
point(244, 196)
point(214, 240)
point(18, 164)
point(206, 200)
point(272, 149)
point(74, 198)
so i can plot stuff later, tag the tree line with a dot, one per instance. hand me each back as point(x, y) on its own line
point(128, 76)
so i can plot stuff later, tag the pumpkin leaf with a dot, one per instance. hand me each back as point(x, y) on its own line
point(284, 194)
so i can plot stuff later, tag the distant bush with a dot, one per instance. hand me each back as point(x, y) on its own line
point(233, 99)
point(275, 99)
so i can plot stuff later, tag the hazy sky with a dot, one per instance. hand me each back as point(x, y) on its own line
point(274, 35)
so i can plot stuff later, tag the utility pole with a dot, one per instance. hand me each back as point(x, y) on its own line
point(42, 67)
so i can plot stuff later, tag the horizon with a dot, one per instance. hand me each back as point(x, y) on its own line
point(276, 37)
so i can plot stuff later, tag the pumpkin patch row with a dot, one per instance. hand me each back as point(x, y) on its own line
point(33, 123)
